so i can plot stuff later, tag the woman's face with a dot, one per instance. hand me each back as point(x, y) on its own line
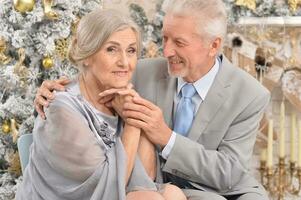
point(113, 65)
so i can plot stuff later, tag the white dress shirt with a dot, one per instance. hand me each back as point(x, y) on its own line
point(202, 87)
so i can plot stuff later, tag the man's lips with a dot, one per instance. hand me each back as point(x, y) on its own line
point(175, 62)
point(120, 73)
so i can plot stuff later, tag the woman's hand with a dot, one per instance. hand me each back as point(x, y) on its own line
point(116, 98)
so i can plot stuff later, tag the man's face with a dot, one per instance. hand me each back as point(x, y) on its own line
point(188, 55)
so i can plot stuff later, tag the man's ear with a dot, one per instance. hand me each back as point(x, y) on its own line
point(215, 47)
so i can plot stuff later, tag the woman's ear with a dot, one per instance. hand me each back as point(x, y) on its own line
point(86, 62)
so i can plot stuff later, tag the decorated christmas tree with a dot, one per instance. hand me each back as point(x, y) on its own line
point(34, 39)
point(151, 29)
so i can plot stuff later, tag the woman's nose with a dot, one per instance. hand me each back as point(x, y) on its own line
point(123, 60)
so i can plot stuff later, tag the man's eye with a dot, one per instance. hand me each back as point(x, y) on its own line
point(179, 44)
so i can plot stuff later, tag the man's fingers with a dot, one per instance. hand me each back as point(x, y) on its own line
point(39, 109)
point(136, 123)
point(41, 101)
point(144, 102)
point(63, 80)
point(138, 108)
point(136, 115)
point(51, 85)
point(45, 93)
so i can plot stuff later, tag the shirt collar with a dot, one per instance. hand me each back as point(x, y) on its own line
point(202, 85)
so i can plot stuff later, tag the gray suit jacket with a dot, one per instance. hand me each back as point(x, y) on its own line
point(216, 154)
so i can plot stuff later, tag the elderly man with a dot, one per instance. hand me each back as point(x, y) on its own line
point(200, 110)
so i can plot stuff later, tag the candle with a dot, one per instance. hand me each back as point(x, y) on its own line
point(270, 144)
point(260, 75)
point(299, 145)
point(293, 139)
point(263, 155)
point(282, 131)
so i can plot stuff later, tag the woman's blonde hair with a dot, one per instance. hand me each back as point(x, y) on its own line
point(94, 29)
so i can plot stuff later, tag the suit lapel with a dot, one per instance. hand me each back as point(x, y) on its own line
point(166, 88)
point(215, 98)
point(207, 110)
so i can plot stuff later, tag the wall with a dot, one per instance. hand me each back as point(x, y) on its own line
point(149, 5)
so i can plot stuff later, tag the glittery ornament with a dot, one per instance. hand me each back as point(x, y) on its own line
point(24, 5)
point(251, 4)
point(47, 62)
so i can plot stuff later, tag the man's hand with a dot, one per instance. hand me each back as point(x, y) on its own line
point(45, 93)
point(147, 116)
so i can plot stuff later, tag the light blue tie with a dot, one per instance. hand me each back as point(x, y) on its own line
point(185, 110)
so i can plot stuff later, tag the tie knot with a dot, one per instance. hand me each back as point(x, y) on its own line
point(188, 90)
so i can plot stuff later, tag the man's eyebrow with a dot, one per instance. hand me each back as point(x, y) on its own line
point(181, 39)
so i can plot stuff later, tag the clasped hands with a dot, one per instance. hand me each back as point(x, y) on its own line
point(134, 110)
point(138, 112)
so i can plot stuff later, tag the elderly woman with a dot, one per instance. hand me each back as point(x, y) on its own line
point(83, 150)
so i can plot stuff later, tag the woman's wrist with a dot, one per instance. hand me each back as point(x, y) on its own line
point(131, 128)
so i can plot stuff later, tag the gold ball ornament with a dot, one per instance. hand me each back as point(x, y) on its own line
point(293, 4)
point(250, 4)
point(24, 5)
point(47, 63)
point(5, 128)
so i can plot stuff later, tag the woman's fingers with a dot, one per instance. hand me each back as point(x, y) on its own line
point(106, 99)
point(109, 95)
point(109, 92)
point(130, 86)
point(128, 92)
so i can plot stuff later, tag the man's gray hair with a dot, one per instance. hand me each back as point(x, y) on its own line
point(210, 15)
point(94, 29)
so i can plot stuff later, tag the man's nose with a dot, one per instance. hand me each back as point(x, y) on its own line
point(168, 50)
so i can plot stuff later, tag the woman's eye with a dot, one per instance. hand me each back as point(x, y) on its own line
point(111, 49)
point(132, 51)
